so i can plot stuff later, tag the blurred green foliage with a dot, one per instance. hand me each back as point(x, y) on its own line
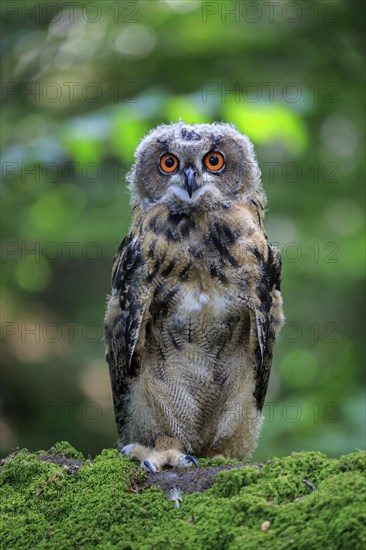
point(82, 83)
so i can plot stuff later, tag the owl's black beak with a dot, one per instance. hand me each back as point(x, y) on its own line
point(190, 181)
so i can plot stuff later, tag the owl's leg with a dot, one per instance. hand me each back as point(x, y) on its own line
point(167, 451)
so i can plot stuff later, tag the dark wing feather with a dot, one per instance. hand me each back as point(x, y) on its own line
point(125, 312)
point(268, 318)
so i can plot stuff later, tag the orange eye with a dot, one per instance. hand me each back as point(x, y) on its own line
point(214, 161)
point(169, 163)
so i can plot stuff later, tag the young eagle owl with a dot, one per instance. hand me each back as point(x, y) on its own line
point(195, 304)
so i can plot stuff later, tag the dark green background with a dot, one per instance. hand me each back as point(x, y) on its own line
point(82, 83)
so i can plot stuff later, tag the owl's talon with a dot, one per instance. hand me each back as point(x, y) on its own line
point(148, 466)
point(127, 450)
point(153, 461)
point(187, 460)
point(192, 459)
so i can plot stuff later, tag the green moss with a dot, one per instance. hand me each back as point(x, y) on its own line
point(64, 448)
point(353, 461)
point(212, 462)
point(44, 506)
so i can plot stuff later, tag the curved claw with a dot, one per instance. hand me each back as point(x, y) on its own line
point(127, 450)
point(149, 466)
point(191, 458)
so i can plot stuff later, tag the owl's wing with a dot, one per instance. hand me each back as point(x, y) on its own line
point(126, 308)
point(268, 317)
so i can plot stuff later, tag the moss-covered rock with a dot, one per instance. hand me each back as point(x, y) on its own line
point(58, 500)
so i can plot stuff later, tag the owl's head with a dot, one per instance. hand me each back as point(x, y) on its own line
point(194, 167)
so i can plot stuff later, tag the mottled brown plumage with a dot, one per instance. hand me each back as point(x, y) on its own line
point(195, 304)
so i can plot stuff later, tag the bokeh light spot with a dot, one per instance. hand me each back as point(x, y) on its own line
point(135, 42)
point(33, 275)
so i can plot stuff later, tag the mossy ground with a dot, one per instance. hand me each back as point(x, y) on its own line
point(103, 503)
